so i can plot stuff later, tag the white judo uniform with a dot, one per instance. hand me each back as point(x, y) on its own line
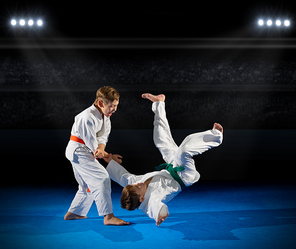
point(93, 129)
point(163, 187)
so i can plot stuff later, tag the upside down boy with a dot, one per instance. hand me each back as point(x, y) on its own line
point(150, 192)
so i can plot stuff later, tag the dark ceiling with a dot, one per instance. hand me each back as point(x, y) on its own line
point(193, 19)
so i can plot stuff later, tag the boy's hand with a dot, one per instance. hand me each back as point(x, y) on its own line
point(99, 153)
point(116, 158)
point(108, 158)
point(161, 219)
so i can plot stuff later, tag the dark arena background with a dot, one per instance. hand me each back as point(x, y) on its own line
point(212, 64)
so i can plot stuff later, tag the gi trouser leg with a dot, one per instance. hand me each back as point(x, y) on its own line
point(162, 136)
point(89, 173)
point(192, 145)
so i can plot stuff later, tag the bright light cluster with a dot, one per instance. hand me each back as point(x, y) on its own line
point(277, 22)
point(28, 22)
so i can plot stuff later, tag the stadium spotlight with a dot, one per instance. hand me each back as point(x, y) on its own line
point(39, 22)
point(13, 22)
point(287, 23)
point(278, 23)
point(30, 22)
point(22, 22)
point(260, 22)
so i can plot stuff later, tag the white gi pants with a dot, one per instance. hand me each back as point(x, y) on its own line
point(192, 145)
point(89, 173)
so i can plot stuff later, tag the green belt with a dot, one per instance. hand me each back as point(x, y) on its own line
point(173, 172)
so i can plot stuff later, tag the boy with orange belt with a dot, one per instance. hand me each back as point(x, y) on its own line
point(89, 136)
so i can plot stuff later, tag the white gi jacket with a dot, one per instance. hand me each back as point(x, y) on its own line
point(162, 188)
point(92, 128)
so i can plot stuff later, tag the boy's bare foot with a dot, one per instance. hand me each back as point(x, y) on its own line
point(218, 127)
point(110, 219)
point(153, 98)
point(71, 216)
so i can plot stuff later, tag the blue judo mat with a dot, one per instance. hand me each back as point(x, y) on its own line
point(206, 215)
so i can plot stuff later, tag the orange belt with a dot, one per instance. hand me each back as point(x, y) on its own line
point(78, 140)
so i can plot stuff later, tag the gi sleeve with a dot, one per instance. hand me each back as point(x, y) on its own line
point(198, 143)
point(86, 129)
point(107, 127)
point(120, 175)
point(155, 207)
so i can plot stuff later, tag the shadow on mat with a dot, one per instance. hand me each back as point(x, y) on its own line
point(51, 225)
point(219, 225)
point(194, 226)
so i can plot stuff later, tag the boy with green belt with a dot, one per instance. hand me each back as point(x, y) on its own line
point(151, 191)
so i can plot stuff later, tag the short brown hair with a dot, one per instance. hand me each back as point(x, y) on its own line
point(106, 93)
point(129, 200)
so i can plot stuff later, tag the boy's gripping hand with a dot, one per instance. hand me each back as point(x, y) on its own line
point(99, 153)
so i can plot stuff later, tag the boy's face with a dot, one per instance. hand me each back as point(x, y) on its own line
point(109, 107)
point(140, 189)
